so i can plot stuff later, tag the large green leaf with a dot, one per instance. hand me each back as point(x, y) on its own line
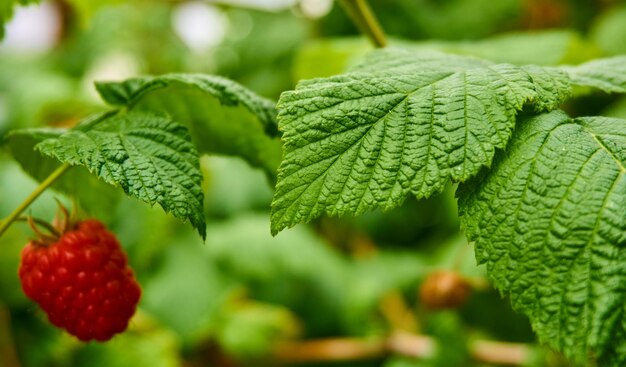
point(548, 220)
point(222, 116)
point(402, 123)
point(149, 157)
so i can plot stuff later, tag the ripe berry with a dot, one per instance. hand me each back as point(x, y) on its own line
point(81, 280)
point(444, 290)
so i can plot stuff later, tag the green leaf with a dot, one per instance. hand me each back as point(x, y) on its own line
point(223, 117)
point(86, 9)
point(149, 157)
point(402, 123)
point(154, 347)
point(608, 30)
point(6, 11)
point(608, 74)
point(95, 198)
point(548, 220)
point(330, 56)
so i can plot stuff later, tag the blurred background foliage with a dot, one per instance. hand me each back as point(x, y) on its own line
point(236, 299)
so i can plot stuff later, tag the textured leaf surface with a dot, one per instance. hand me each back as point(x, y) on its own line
point(149, 157)
point(402, 123)
point(548, 220)
point(222, 116)
point(95, 198)
point(607, 74)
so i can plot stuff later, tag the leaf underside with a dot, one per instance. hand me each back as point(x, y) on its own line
point(403, 123)
point(223, 117)
point(150, 157)
point(549, 222)
point(97, 199)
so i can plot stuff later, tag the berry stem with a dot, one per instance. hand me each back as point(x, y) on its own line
point(4, 225)
point(364, 18)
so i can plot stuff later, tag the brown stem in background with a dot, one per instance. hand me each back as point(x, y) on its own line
point(404, 344)
point(66, 20)
point(8, 355)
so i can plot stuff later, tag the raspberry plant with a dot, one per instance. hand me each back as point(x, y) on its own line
point(81, 279)
point(541, 194)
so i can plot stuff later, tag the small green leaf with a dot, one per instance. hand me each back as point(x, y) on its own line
point(608, 74)
point(148, 156)
point(548, 220)
point(402, 123)
point(223, 117)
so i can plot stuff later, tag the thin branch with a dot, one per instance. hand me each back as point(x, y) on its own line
point(401, 343)
point(366, 21)
point(4, 225)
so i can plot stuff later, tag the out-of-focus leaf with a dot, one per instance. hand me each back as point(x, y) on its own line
point(609, 30)
point(186, 291)
point(233, 186)
point(546, 48)
point(326, 57)
point(86, 9)
point(295, 269)
point(250, 330)
point(155, 348)
point(452, 346)
point(617, 109)
point(259, 49)
point(450, 19)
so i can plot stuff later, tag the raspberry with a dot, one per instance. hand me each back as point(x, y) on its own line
point(82, 281)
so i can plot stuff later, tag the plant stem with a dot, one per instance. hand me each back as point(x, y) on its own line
point(364, 18)
point(34, 195)
point(399, 343)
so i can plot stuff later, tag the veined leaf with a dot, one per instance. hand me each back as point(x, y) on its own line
point(402, 123)
point(548, 220)
point(97, 199)
point(149, 157)
point(607, 74)
point(222, 116)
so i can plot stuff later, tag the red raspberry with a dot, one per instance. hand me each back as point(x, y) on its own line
point(82, 281)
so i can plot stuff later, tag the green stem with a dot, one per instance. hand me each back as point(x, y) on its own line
point(32, 197)
point(364, 18)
